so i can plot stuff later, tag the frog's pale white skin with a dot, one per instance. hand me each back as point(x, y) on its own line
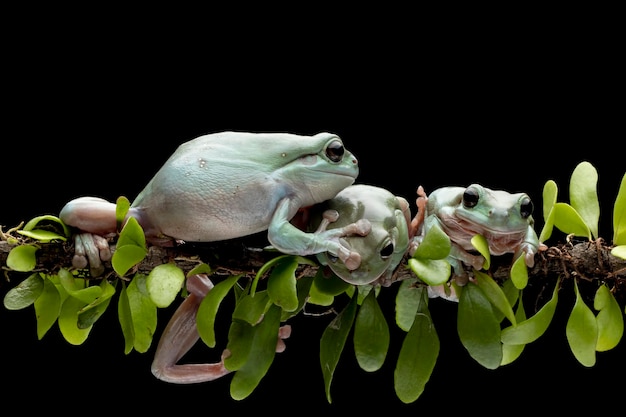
point(503, 218)
point(385, 245)
point(222, 186)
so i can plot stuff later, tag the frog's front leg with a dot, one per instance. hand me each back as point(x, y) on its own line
point(287, 238)
point(181, 334)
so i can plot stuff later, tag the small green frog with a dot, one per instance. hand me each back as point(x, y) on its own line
point(502, 218)
point(384, 246)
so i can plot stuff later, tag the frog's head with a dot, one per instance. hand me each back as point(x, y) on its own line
point(319, 168)
point(495, 211)
point(383, 248)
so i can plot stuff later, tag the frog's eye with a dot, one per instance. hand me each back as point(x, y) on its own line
point(470, 198)
point(335, 151)
point(526, 208)
point(387, 251)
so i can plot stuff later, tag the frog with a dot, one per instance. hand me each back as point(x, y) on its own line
point(504, 219)
point(384, 246)
point(222, 186)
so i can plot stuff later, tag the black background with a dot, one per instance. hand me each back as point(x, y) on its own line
point(100, 119)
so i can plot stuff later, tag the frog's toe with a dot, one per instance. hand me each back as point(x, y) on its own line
point(90, 250)
point(352, 261)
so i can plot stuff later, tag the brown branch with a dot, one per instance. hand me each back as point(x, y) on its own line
point(588, 261)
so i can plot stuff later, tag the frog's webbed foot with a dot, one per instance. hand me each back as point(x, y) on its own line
point(181, 334)
point(339, 247)
point(91, 250)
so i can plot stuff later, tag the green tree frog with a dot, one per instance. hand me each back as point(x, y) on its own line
point(504, 219)
point(227, 185)
point(384, 246)
point(223, 186)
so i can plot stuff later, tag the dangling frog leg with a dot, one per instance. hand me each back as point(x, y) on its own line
point(181, 334)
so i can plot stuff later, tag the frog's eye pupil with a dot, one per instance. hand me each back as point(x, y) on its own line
point(526, 208)
point(470, 198)
point(335, 151)
point(387, 251)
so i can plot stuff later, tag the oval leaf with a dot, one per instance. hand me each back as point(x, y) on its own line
point(126, 257)
point(333, 341)
point(164, 283)
point(495, 295)
point(431, 271)
point(609, 319)
point(567, 220)
point(482, 246)
point(582, 331)
point(478, 329)
point(371, 335)
point(22, 258)
point(262, 352)
point(418, 355)
point(205, 317)
point(619, 215)
point(519, 273)
point(281, 284)
point(532, 328)
point(25, 293)
point(47, 307)
point(434, 245)
point(619, 251)
point(583, 195)
point(550, 191)
point(68, 321)
point(408, 299)
point(143, 313)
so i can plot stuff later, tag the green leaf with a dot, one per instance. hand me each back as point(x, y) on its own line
point(478, 329)
point(434, 245)
point(619, 215)
point(431, 271)
point(333, 341)
point(89, 314)
point(418, 353)
point(131, 234)
point(519, 273)
point(582, 331)
point(32, 224)
point(532, 328)
point(584, 196)
point(68, 321)
point(122, 205)
point(495, 295)
point(126, 257)
point(371, 335)
point(25, 293)
point(43, 236)
point(569, 221)
point(76, 287)
point(164, 283)
point(482, 246)
point(303, 287)
point(207, 311)
point(251, 308)
point(200, 269)
point(22, 258)
point(511, 352)
point(609, 319)
point(47, 307)
point(143, 313)
point(408, 300)
point(125, 319)
point(262, 352)
point(329, 284)
point(550, 191)
point(281, 284)
point(619, 251)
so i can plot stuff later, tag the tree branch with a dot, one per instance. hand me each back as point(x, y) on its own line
point(588, 261)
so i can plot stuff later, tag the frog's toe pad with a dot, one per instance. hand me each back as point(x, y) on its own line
point(352, 261)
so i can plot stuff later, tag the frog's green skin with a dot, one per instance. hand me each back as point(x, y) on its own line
point(503, 218)
point(223, 186)
point(384, 246)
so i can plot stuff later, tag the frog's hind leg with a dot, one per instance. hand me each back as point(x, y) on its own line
point(181, 334)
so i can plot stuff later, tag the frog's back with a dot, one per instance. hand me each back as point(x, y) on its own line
point(219, 186)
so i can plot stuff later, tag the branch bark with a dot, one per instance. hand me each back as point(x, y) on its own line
point(590, 261)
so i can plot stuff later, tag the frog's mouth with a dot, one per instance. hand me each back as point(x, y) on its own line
point(462, 230)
